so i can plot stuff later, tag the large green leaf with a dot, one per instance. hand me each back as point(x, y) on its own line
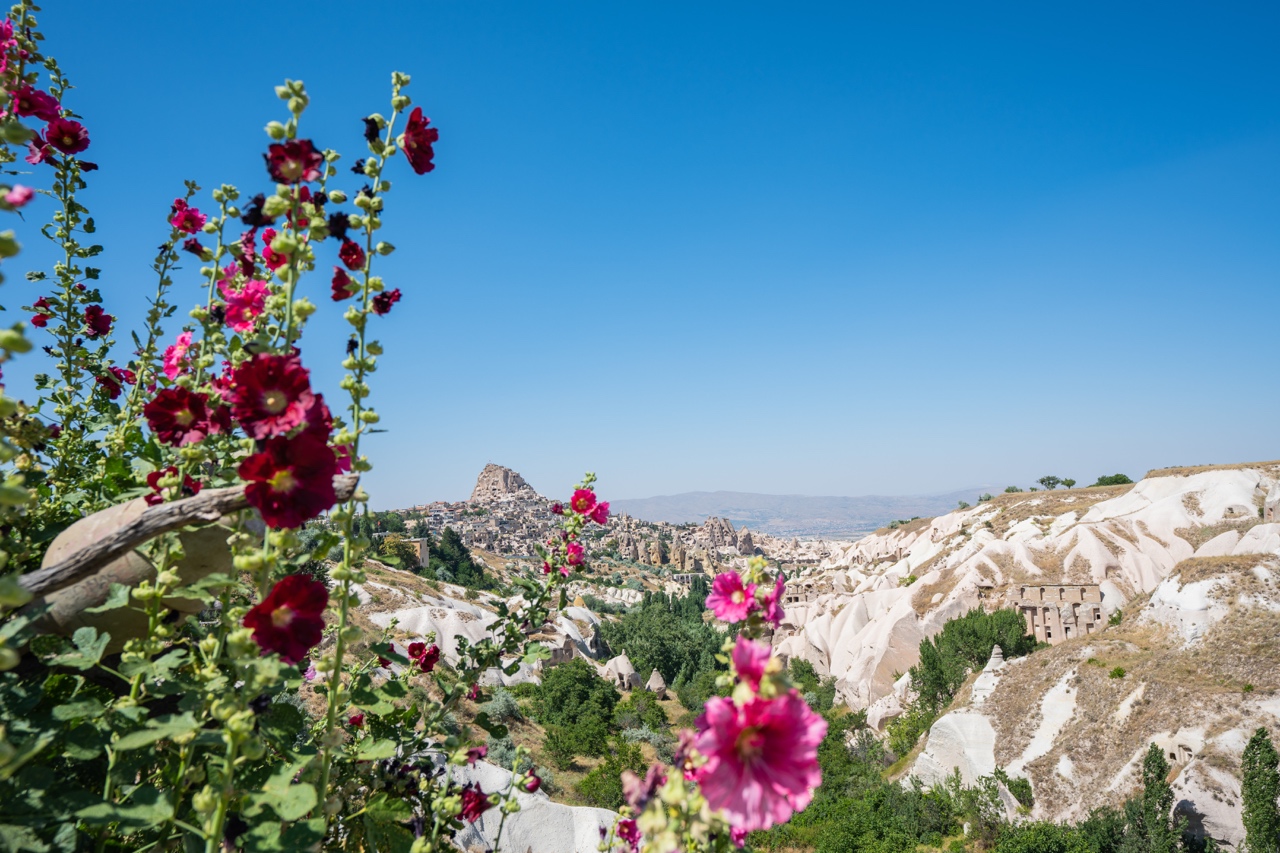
point(89, 647)
point(375, 750)
point(146, 807)
point(161, 728)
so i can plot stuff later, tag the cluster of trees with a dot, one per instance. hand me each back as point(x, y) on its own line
point(450, 561)
point(962, 646)
point(1049, 483)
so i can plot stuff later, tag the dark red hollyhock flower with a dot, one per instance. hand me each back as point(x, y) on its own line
point(270, 394)
point(533, 783)
point(192, 245)
point(416, 650)
point(43, 314)
point(98, 321)
point(180, 416)
point(30, 101)
point(293, 161)
point(383, 301)
point(557, 508)
point(190, 487)
point(475, 802)
point(383, 662)
point(356, 720)
point(351, 255)
point(476, 753)
point(430, 658)
point(338, 225)
point(115, 378)
point(248, 254)
point(86, 166)
point(69, 137)
point(370, 129)
point(473, 693)
point(290, 480)
point(290, 620)
point(341, 281)
point(253, 215)
point(418, 139)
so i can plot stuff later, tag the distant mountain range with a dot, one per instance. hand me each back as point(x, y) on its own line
point(796, 515)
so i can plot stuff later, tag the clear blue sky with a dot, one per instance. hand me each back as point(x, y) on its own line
point(803, 248)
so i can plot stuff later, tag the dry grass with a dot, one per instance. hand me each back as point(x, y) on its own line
point(1197, 536)
point(912, 526)
point(1203, 568)
point(1019, 506)
point(923, 597)
point(1272, 467)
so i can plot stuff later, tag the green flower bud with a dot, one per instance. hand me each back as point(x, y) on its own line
point(337, 196)
point(13, 341)
point(384, 248)
point(276, 130)
point(275, 206)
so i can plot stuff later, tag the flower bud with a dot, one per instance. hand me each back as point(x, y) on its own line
point(13, 341)
point(384, 248)
point(276, 130)
point(337, 196)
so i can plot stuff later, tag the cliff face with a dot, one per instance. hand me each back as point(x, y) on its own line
point(1184, 652)
point(497, 483)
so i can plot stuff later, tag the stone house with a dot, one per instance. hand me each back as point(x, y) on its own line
point(1055, 613)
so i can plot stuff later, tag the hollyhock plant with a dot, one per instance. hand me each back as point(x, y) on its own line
point(175, 356)
point(30, 101)
point(532, 782)
point(273, 259)
point(476, 753)
point(158, 494)
point(43, 315)
point(628, 832)
point(762, 758)
point(418, 141)
point(270, 395)
point(475, 802)
point(97, 321)
point(244, 305)
point(426, 657)
point(115, 378)
point(290, 480)
point(583, 501)
point(356, 720)
point(66, 135)
point(194, 246)
point(731, 600)
point(351, 255)
point(341, 284)
point(290, 620)
point(18, 196)
point(383, 301)
point(186, 218)
point(600, 514)
point(181, 416)
point(37, 151)
point(574, 552)
point(750, 661)
point(294, 161)
point(773, 612)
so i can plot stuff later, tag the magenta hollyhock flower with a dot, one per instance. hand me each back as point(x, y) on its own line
point(638, 792)
point(583, 501)
point(273, 259)
point(573, 553)
point(473, 692)
point(600, 515)
point(180, 416)
point(417, 141)
point(627, 830)
point(244, 305)
point(762, 758)
point(341, 284)
point(290, 480)
point(37, 151)
point(730, 600)
point(43, 315)
point(351, 255)
point(97, 321)
point(310, 674)
point(383, 301)
point(475, 802)
point(749, 661)
point(186, 218)
point(773, 611)
point(69, 137)
point(115, 378)
point(738, 836)
point(30, 101)
point(270, 395)
point(175, 356)
point(293, 161)
point(476, 753)
point(18, 196)
point(417, 650)
point(532, 782)
point(290, 620)
point(356, 720)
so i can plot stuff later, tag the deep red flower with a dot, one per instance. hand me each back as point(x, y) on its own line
point(293, 161)
point(290, 620)
point(356, 720)
point(341, 283)
point(186, 218)
point(189, 486)
point(383, 301)
point(428, 660)
point(30, 101)
point(98, 321)
point(473, 693)
point(628, 831)
point(270, 395)
point(69, 137)
point(418, 139)
point(416, 650)
point(192, 245)
point(583, 501)
point(43, 314)
point(115, 378)
point(557, 509)
point(180, 416)
point(273, 259)
point(475, 802)
point(383, 662)
point(533, 782)
point(290, 480)
point(351, 255)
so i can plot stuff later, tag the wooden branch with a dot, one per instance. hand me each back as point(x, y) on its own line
point(206, 507)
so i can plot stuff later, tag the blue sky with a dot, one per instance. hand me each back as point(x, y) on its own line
point(798, 248)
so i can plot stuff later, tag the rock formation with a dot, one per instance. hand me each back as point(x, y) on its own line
point(497, 483)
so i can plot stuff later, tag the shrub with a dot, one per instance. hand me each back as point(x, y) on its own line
point(502, 751)
point(908, 580)
point(602, 787)
point(502, 706)
point(1115, 618)
point(984, 497)
point(962, 504)
point(1118, 672)
point(1011, 490)
point(1113, 480)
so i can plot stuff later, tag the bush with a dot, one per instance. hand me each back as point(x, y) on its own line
point(1011, 490)
point(1115, 618)
point(962, 504)
point(661, 742)
point(639, 709)
point(1113, 480)
point(602, 787)
point(908, 580)
point(984, 497)
point(502, 751)
point(502, 706)
point(1118, 672)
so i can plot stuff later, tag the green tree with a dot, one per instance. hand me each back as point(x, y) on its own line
point(1259, 790)
point(580, 703)
point(1049, 482)
point(1068, 484)
point(1157, 828)
point(1113, 480)
point(450, 561)
point(1010, 490)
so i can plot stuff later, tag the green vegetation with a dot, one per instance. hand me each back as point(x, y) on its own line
point(962, 504)
point(984, 497)
point(1259, 789)
point(1049, 483)
point(962, 646)
point(576, 708)
point(1118, 672)
point(602, 787)
point(1011, 490)
point(450, 561)
point(668, 633)
point(1113, 480)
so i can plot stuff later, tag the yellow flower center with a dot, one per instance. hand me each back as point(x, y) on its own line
point(750, 742)
point(283, 481)
point(184, 417)
point(282, 616)
point(738, 596)
point(274, 401)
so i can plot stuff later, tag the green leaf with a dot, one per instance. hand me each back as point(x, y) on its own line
point(19, 838)
point(369, 700)
point(117, 597)
point(382, 818)
point(89, 647)
point(161, 728)
point(376, 750)
point(496, 729)
point(89, 709)
point(288, 800)
point(143, 809)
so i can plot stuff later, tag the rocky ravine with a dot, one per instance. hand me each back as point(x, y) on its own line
point(1190, 556)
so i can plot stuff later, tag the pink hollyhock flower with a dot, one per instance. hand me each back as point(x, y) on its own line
point(583, 501)
point(738, 836)
point(37, 151)
point(69, 137)
point(773, 611)
point(18, 196)
point(383, 301)
point(600, 515)
point(244, 305)
point(311, 674)
point(30, 101)
point(293, 161)
point(290, 620)
point(186, 218)
point(476, 753)
point(573, 553)
point(730, 600)
point(473, 692)
point(356, 720)
point(475, 802)
point(749, 661)
point(627, 830)
point(273, 259)
point(351, 255)
point(97, 321)
point(175, 356)
point(762, 758)
point(638, 792)
point(341, 284)
point(417, 142)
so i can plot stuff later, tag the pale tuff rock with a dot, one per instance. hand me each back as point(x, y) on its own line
point(498, 483)
point(962, 740)
point(656, 684)
point(746, 545)
point(988, 678)
point(620, 671)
